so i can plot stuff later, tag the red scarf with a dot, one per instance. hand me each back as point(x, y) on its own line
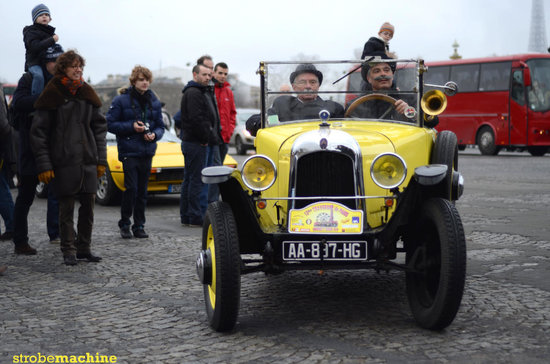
point(72, 85)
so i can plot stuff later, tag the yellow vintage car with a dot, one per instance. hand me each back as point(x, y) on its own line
point(371, 187)
point(166, 172)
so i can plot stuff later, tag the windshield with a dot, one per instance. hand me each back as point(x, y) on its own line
point(298, 91)
point(539, 91)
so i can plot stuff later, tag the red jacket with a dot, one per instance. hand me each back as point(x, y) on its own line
point(226, 108)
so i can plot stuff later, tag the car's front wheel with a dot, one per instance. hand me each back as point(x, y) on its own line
point(107, 192)
point(436, 254)
point(219, 266)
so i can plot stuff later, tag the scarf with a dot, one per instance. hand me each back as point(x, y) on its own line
point(72, 85)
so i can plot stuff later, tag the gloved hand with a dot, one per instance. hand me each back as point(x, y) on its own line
point(46, 176)
point(100, 170)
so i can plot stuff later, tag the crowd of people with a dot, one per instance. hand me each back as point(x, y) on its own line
point(61, 141)
point(62, 136)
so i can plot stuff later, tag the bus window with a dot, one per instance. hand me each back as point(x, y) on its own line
point(517, 87)
point(466, 76)
point(539, 91)
point(495, 76)
point(436, 76)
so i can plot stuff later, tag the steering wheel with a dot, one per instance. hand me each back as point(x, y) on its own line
point(369, 97)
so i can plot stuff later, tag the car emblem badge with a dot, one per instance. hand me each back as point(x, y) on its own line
point(323, 143)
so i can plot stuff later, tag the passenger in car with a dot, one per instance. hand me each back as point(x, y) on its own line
point(379, 79)
point(306, 78)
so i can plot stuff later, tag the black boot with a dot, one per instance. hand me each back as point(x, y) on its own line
point(89, 257)
point(69, 260)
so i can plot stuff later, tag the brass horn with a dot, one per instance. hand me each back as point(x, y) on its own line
point(433, 103)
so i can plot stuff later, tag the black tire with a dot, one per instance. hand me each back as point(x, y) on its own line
point(537, 151)
point(107, 192)
point(222, 295)
point(446, 152)
point(486, 141)
point(41, 190)
point(436, 250)
point(239, 145)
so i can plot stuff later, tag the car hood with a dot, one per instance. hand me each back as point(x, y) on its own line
point(372, 138)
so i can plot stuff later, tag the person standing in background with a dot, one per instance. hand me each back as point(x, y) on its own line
point(135, 117)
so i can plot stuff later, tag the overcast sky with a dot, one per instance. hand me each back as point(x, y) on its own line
point(115, 35)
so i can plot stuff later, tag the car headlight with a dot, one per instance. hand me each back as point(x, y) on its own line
point(388, 170)
point(259, 173)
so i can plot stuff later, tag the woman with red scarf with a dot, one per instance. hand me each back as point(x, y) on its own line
point(68, 141)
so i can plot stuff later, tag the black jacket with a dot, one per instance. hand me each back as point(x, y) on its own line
point(7, 134)
point(374, 46)
point(200, 121)
point(23, 104)
point(289, 108)
point(37, 38)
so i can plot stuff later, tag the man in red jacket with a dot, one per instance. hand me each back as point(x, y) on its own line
point(226, 105)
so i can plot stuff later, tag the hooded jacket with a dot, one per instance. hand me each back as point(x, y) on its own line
point(124, 111)
point(68, 137)
point(200, 120)
point(226, 108)
point(37, 38)
point(374, 46)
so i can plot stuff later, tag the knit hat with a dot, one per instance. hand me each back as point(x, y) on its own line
point(387, 27)
point(306, 68)
point(52, 53)
point(38, 10)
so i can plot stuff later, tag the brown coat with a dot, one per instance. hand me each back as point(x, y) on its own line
point(68, 136)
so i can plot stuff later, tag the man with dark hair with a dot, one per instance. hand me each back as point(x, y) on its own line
point(23, 104)
point(305, 80)
point(206, 60)
point(228, 115)
point(200, 128)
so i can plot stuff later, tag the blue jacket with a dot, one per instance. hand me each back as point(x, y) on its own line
point(124, 111)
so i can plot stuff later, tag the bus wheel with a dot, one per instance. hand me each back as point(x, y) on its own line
point(486, 141)
point(537, 151)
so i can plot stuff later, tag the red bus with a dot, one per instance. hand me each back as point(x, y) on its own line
point(502, 102)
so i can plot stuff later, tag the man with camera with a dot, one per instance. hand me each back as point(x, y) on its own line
point(135, 117)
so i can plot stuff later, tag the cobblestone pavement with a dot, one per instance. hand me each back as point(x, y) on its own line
point(144, 304)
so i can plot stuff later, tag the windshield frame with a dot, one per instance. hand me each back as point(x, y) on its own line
point(268, 91)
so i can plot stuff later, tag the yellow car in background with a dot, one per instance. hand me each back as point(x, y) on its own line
point(166, 170)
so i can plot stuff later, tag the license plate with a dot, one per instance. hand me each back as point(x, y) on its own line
point(331, 250)
point(325, 218)
point(174, 188)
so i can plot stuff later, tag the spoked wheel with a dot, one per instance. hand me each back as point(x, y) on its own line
point(436, 250)
point(107, 192)
point(218, 266)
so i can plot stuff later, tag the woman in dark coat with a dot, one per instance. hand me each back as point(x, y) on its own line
point(68, 140)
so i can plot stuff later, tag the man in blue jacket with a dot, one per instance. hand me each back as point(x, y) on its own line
point(135, 117)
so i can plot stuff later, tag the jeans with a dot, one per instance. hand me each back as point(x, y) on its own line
point(194, 156)
point(6, 201)
point(25, 197)
point(134, 198)
point(37, 80)
point(211, 192)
